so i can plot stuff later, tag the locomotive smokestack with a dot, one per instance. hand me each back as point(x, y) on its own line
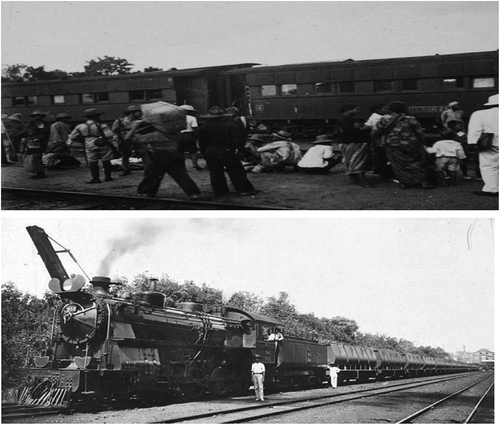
point(101, 285)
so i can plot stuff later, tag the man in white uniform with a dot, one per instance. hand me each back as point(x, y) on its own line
point(486, 121)
point(258, 376)
point(334, 373)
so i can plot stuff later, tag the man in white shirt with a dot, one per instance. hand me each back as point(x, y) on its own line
point(486, 121)
point(258, 376)
point(334, 373)
point(190, 135)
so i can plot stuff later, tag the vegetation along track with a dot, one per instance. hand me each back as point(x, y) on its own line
point(25, 199)
point(269, 408)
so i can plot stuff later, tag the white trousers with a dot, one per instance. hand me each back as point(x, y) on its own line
point(333, 380)
point(488, 163)
point(258, 385)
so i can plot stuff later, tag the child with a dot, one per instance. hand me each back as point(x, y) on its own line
point(456, 131)
point(449, 153)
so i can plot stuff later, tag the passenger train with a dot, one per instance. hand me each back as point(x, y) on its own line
point(300, 98)
point(117, 347)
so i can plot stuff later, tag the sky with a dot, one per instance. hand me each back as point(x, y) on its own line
point(426, 280)
point(185, 34)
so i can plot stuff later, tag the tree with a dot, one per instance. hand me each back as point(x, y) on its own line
point(246, 301)
point(14, 73)
point(152, 69)
point(109, 65)
point(26, 329)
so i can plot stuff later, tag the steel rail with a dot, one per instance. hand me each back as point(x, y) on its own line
point(353, 395)
point(178, 204)
point(431, 406)
point(476, 407)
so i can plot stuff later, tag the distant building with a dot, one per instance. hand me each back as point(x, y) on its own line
point(482, 356)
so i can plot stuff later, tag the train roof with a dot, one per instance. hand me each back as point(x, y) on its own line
point(173, 72)
point(367, 62)
point(254, 316)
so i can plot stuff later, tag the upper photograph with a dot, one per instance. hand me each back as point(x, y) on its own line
point(250, 105)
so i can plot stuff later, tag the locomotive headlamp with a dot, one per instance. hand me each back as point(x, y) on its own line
point(73, 284)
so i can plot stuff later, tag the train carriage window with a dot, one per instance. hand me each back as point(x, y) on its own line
point(102, 97)
point(24, 100)
point(137, 95)
point(19, 101)
point(409, 84)
point(58, 99)
point(87, 98)
point(268, 90)
point(346, 86)
point(154, 94)
point(453, 83)
point(288, 89)
point(321, 88)
point(385, 85)
point(483, 82)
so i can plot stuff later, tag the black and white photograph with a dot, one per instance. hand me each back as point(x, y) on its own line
point(249, 211)
point(299, 105)
point(217, 320)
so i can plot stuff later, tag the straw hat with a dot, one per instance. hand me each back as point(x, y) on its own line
point(492, 100)
point(283, 135)
point(92, 112)
point(323, 138)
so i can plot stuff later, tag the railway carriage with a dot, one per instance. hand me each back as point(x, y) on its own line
point(304, 99)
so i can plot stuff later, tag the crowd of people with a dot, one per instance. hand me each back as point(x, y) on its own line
point(390, 143)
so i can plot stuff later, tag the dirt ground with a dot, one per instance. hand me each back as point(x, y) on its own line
point(288, 189)
point(382, 409)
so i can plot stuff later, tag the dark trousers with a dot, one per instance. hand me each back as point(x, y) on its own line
point(217, 163)
point(171, 163)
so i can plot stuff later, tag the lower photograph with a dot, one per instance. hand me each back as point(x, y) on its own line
point(249, 320)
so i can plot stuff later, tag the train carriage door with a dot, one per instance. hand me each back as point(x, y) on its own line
point(193, 91)
point(236, 94)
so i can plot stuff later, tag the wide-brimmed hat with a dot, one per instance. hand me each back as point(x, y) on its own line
point(283, 135)
point(454, 103)
point(323, 138)
point(92, 112)
point(35, 113)
point(232, 110)
point(257, 138)
point(62, 115)
point(217, 112)
point(492, 100)
point(15, 117)
point(132, 108)
point(187, 108)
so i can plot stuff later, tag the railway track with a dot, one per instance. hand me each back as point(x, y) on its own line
point(14, 412)
point(14, 198)
point(425, 415)
point(268, 409)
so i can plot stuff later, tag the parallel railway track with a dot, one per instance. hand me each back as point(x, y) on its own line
point(260, 411)
point(14, 198)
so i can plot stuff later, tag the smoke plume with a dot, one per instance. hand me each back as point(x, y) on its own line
point(135, 238)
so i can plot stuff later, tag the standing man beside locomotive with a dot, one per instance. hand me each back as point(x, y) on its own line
point(258, 377)
point(486, 121)
point(120, 128)
point(219, 140)
point(96, 137)
point(334, 373)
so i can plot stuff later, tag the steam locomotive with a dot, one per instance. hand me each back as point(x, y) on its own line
point(301, 98)
point(105, 346)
